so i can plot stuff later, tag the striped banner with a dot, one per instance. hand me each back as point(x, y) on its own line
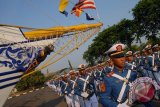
point(9, 78)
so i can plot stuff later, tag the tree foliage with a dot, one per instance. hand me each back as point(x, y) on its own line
point(35, 80)
point(121, 32)
point(147, 18)
point(146, 23)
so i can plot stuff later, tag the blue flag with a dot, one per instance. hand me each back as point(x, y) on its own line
point(65, 13)
point(88, 17)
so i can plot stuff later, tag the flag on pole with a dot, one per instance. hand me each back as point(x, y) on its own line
point(83, 4)
point(62, 6)
point(87, 4)
point(88, 17)
point(65, 13)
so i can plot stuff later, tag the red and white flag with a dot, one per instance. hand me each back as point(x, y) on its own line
point(83, 4)
point(87, 4)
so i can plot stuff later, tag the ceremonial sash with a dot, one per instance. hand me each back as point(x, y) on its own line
point(153, 57)
point(74, 82)
point(85, 82)
point(119, 99)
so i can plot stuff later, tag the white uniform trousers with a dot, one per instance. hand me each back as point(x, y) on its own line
point(92, 102)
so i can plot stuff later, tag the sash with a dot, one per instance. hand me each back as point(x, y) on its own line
point(119, 99)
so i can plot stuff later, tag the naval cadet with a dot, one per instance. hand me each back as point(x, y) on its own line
point(116, 82)
point(156, 68)
point(73, 88)
point(110, 65)
point(85, 84)
point(156, 53)
point(129, 59)
point(65, 90)
point(149, 62)
point(137, 58)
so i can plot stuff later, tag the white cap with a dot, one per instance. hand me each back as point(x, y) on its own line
point(137, 52)
point(81, 66)
point(116, 49)
point(143, 50)
point(72, 71)
point(129, 53)
point(148, 46)
point(155, 46)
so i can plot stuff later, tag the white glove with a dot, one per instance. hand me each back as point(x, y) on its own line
point(84, 94)
point(155, 69)
point(123, 104)
point(72, 92)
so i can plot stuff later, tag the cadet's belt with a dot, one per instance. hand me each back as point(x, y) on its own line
point(119, 99)
point(85, 82)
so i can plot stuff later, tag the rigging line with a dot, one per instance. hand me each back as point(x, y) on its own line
point(61, 49)
point(96, 30)
point(76, 46)
point(98, 14)
point(45, 14)
point(23, 27)
point(64, 47)
point(48, 29)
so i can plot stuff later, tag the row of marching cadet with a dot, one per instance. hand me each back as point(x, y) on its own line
point(125, 79)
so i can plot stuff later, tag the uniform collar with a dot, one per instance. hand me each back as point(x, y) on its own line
point(117, 71)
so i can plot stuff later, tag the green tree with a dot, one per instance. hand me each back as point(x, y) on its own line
point(146, 17)
point(126, 32)
point(35, 80)
point(122, 32)
point(96, 51)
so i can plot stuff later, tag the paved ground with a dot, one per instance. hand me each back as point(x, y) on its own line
point(41, 98)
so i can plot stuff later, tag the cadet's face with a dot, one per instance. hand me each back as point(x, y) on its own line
point(129, 58)
point(82, 72)
point(65, 78)
point(149, 51)
point(72, 76)
point(157, 49)
point(144, 53)
point(119, 62)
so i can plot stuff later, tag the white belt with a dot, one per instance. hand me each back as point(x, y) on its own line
point(74, 83)
point(153, 57)
point(119, 99)
point(85, 82)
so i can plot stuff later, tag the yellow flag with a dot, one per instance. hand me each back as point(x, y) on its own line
point(63, 4)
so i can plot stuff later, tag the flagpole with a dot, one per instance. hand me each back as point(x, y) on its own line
point(99, 19)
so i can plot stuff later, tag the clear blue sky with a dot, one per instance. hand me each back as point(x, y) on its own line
point(44, 13)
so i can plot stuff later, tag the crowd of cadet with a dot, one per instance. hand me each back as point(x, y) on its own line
point(108, 83)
